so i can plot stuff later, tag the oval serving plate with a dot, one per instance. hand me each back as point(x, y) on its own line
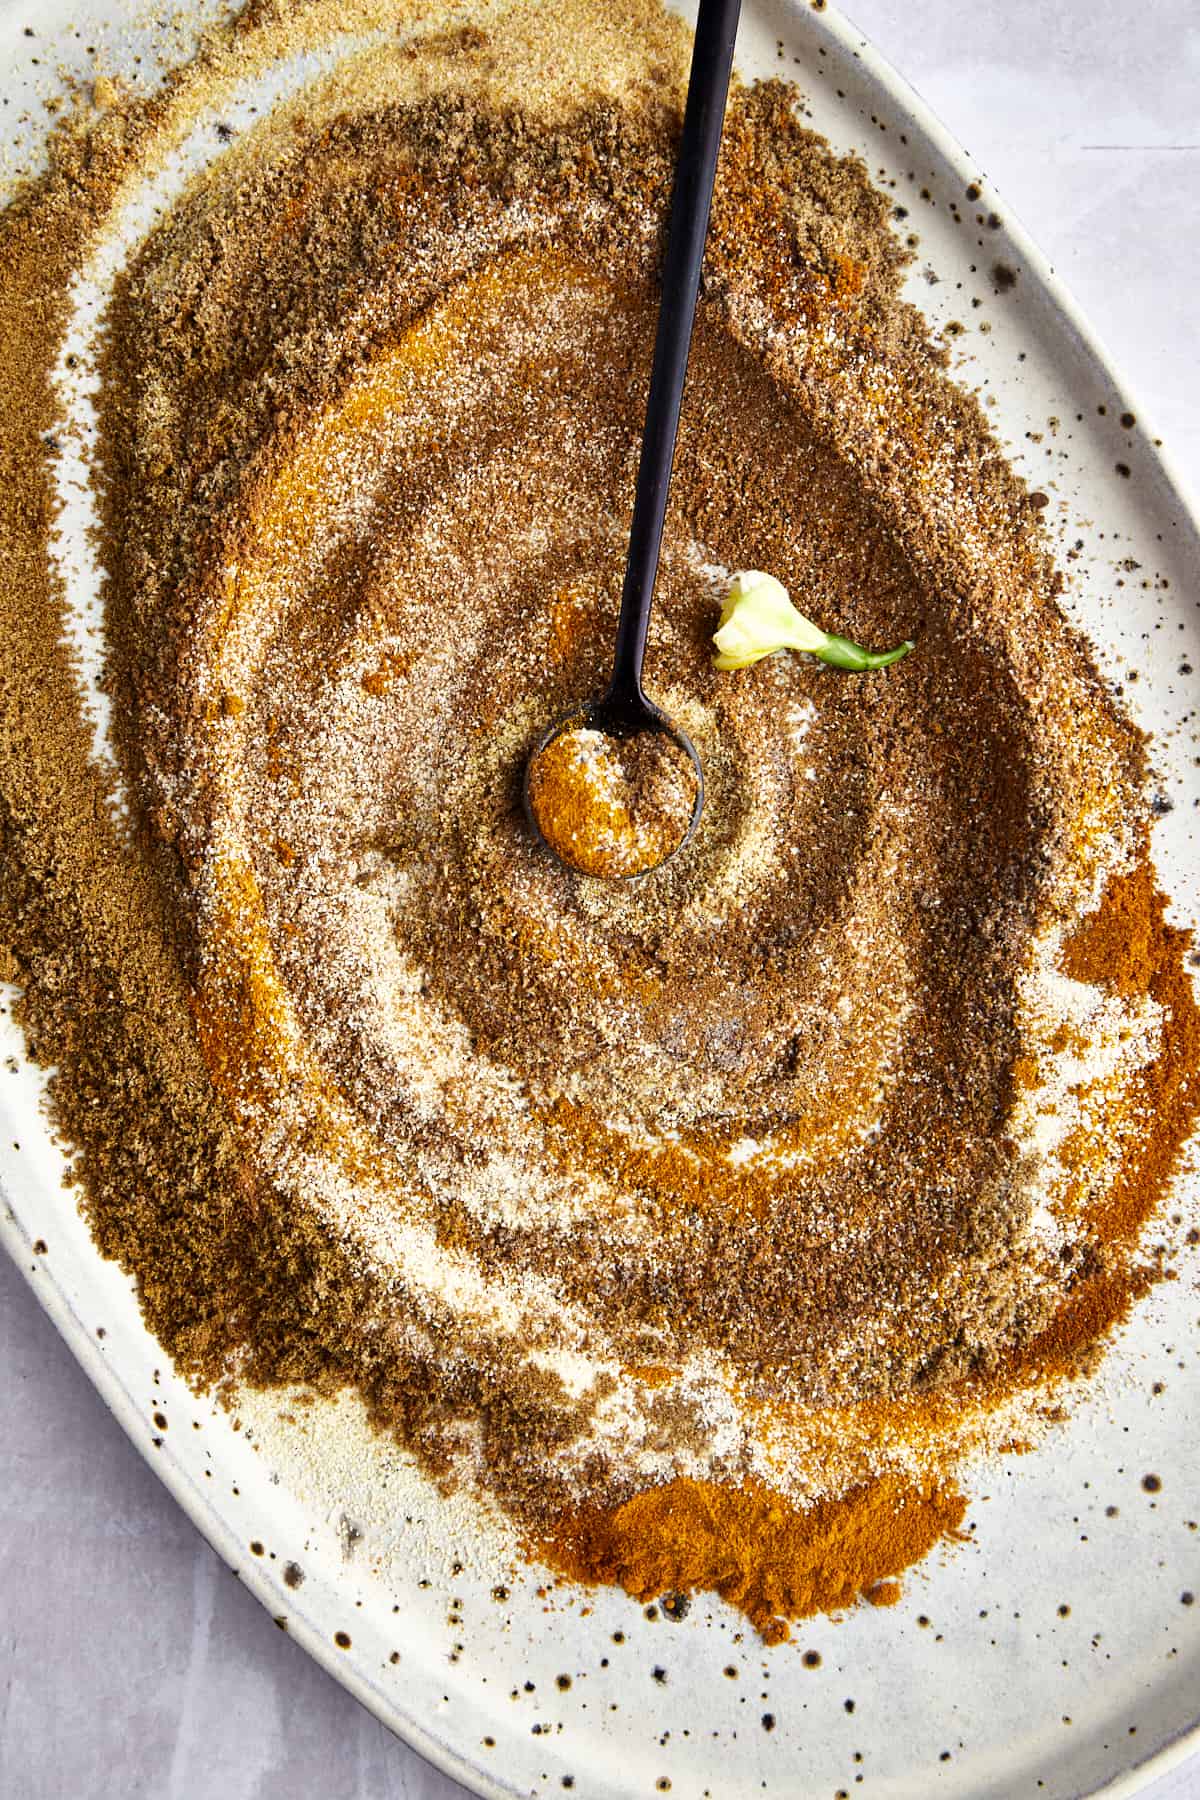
point(1051, 1653)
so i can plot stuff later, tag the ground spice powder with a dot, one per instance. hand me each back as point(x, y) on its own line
point(704, 1209)
point(772, 1562)
point(612, 807)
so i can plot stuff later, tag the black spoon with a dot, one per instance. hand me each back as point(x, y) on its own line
point(623, 709)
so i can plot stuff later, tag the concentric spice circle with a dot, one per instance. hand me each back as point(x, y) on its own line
point(771, 1175)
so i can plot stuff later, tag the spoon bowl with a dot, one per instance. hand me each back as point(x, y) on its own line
point(616, 719)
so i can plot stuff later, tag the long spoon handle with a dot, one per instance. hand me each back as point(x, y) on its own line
point(695, 171)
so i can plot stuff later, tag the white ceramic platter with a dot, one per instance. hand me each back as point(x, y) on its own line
point(1052, 1655)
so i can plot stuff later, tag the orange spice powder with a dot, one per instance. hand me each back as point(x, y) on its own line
point(612, 806)
point(1129, 947)
point(774, 1562)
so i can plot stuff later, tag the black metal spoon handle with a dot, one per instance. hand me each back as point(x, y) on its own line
point(695, 171)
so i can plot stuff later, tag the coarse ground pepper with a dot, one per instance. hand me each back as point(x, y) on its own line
point(706, 1222)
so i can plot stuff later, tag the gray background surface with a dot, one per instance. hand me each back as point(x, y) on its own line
point(131, 1662)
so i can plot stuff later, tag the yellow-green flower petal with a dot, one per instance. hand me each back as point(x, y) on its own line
point(758, 619)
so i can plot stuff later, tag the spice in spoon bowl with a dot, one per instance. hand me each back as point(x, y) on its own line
point(612, 804)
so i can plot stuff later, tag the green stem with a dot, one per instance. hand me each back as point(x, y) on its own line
point(844, 655)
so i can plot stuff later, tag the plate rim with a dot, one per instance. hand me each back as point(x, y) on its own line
point(821, 18)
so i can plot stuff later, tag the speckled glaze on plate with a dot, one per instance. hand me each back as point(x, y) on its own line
point(1058, 1653)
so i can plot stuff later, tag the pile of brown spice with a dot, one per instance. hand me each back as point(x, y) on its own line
point(708, 1221)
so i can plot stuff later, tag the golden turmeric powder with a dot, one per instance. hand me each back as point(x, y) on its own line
point(615, 806)
point(774, 1561)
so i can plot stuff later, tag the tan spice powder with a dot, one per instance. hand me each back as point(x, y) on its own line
point(745, 1544)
